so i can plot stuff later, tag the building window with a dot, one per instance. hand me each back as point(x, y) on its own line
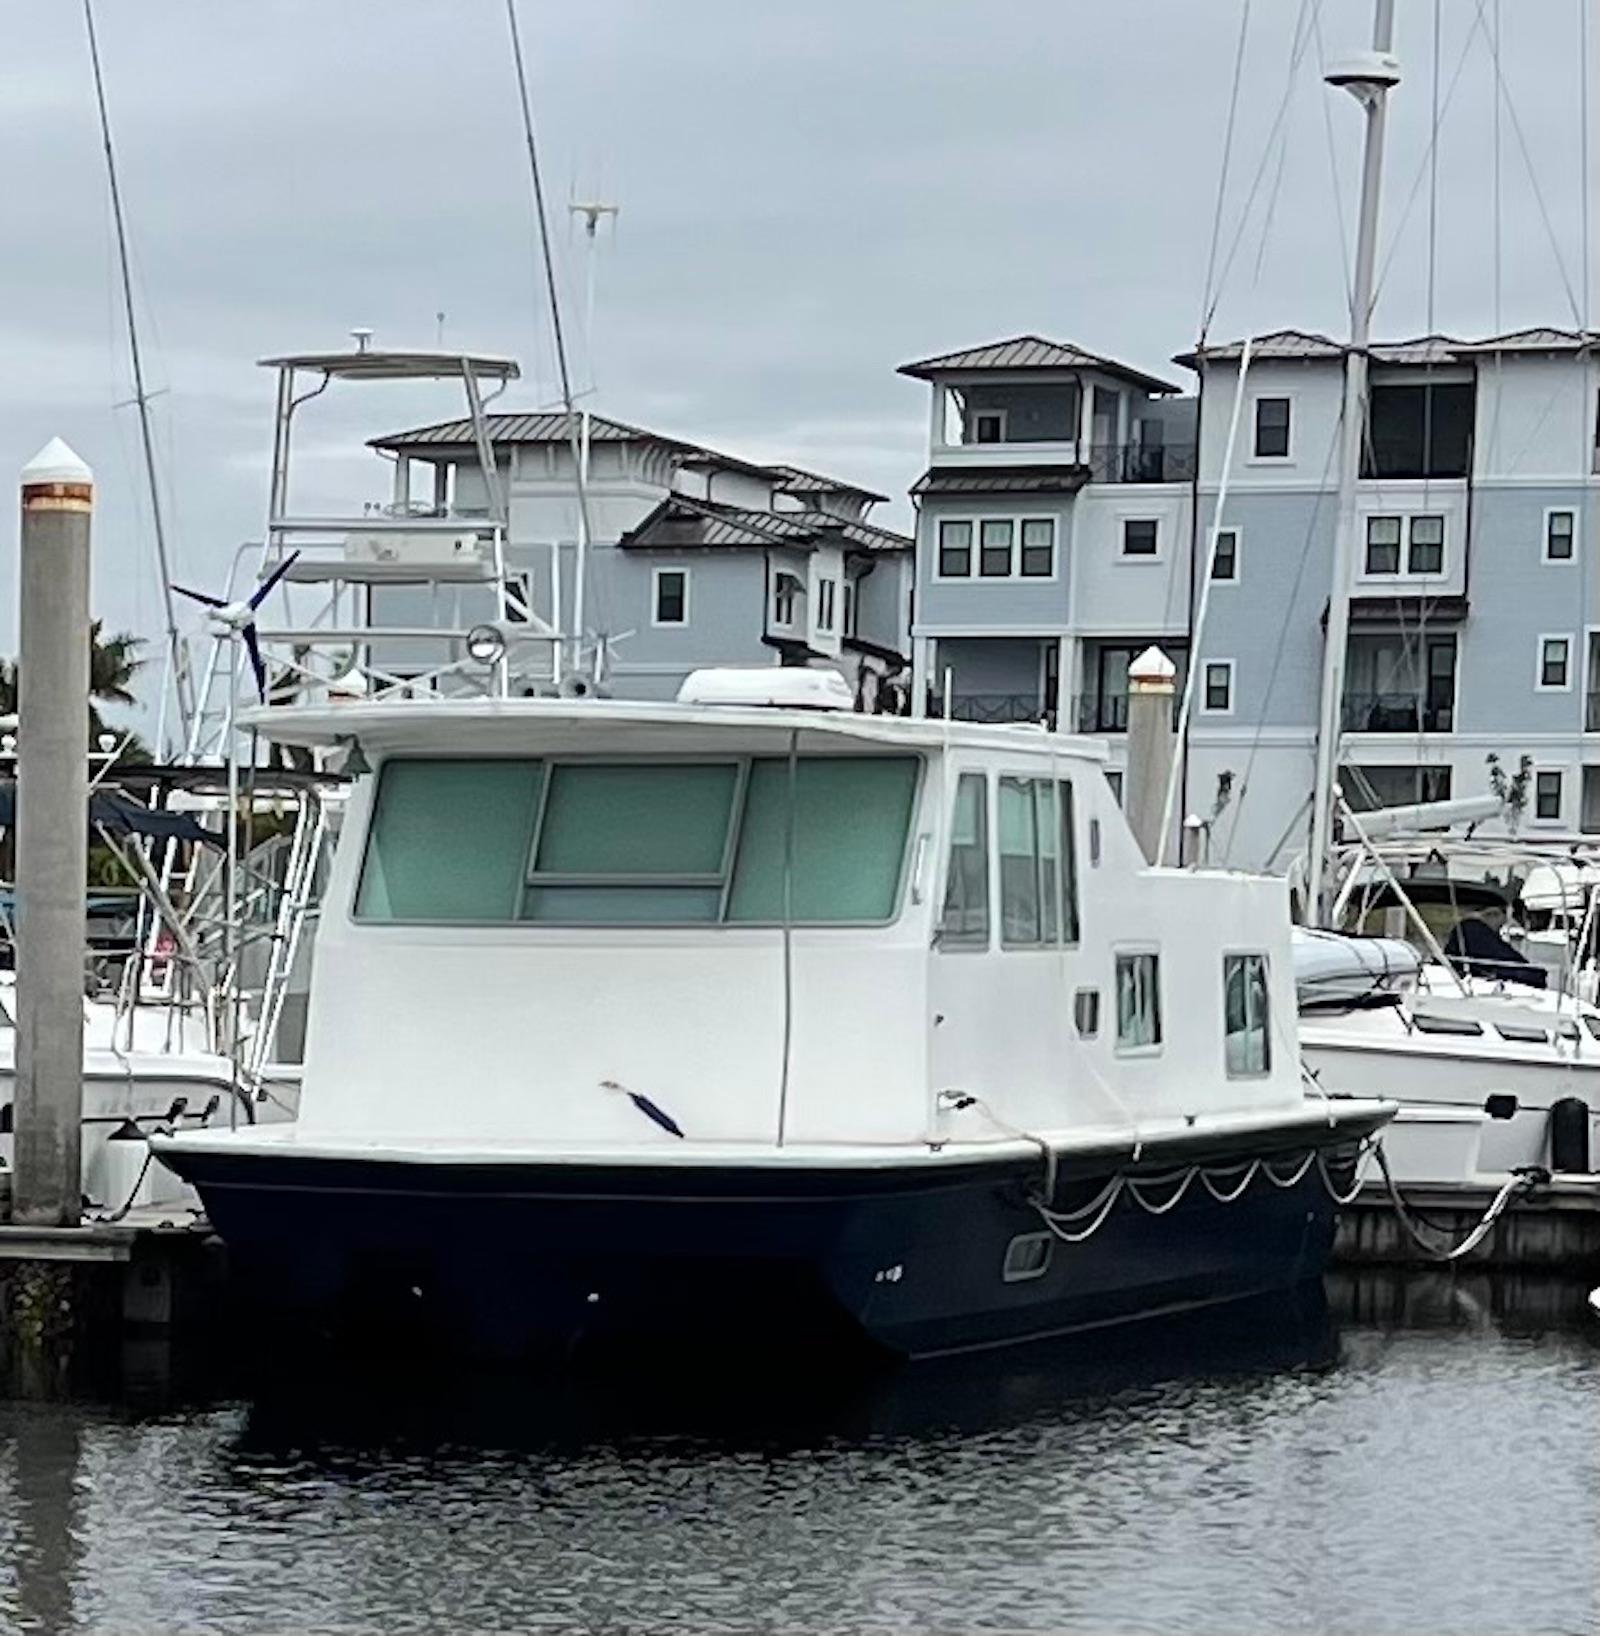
point(1225, 556)
point(955, 550)
point(672, 596)
point(1219, 687)
point(1383, 545)
point(1138, 1001)
point(989, 426)
point(1038, 547)
point(1426, 553)
point(964, 920)
point(1368, 787)
point(1247, 1042)
point(994, 553)
point(1555, 662)
point(785, 589)
point(849, 607)
point(1272, 429)
point(1547, 797)
point(1140, 537)
point(1560, 527)
point(825, 593)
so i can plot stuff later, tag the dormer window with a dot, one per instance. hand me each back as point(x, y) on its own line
point(785, 588)
point(989, 426)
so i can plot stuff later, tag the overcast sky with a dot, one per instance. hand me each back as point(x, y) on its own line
point(811, 194)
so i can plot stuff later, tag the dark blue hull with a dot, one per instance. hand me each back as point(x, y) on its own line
point(917, 1260)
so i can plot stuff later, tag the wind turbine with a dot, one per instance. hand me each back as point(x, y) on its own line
point(239, 618)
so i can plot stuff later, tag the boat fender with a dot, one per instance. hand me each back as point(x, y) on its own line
point(1500, 1105)
point(1569, 1135)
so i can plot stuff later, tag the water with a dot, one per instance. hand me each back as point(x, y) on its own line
point(1430, 1465)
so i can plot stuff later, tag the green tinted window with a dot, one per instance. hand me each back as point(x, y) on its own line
point(965, 917)
point(851, 814)
point(660, 819)
point(449, 840)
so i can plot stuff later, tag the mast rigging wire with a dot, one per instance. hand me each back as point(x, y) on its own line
point(1222, 174)
point(175, 650)
point(558, 332)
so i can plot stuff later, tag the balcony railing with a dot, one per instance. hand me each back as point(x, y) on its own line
point(1395, 713)
point(1108, 712)
point(1142, 462)
point(994, 708)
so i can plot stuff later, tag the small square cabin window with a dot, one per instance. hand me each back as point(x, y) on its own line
point(1225, 555)
point(1426, 554)
point(1553, 661)
point(1139, 537)
point(1559, 530)
point(1547, 797)
point(1383, 545)
point(672, 596)
point(1247, 1041)
point(1138, 1001)
point(1272, 428)
point(955, 550)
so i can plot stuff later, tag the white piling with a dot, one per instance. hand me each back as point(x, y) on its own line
point(52, 834)
point(1152, 684)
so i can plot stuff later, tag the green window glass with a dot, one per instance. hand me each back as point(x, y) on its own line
point(964, 920)
point(633, 843)
point(448, 840)
point(851, 814)
point(1021, 920)
point(1069, 867)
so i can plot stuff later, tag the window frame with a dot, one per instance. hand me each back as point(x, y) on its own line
point(1136, 951)
point(826, 598)
point(1559, 774)
point(1230, 955)
point(1256, 401)
point(1154, 554)
point(988, 414)
point(1206, 667)
point(1541, 664)
point(657, 573)
point(1412, 519)
point(1236, 534)
point(968, 942)
point(1398, 545)
point(787, 589)
point(745, 760)
point(1017, 522)
point(1550, 514)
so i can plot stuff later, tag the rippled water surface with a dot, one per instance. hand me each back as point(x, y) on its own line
point(1438, 1471)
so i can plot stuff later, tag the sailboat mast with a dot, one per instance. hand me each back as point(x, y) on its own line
point(1369, 77)
point(175, 652)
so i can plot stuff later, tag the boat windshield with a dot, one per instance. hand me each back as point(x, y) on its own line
point(736, 840)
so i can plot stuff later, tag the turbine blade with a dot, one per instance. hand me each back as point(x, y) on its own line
point(264, 589)
point(200, 597)
point(253, 648)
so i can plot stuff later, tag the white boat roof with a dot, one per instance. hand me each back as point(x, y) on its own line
point(386, 364)
point(506, 725)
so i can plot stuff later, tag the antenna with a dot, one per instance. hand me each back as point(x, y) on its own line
point(591, 212)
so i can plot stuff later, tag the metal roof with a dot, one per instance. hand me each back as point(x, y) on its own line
point(1421, 349)
point(375, 364)
point(557, 426)
point(951, 480)
point(684, 522)
point(1029, 352)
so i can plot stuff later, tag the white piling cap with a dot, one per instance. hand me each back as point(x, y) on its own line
point(55, 463)
point(1153, 668)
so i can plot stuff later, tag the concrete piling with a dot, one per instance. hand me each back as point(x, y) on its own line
point(52, 835)
point(1152, 683)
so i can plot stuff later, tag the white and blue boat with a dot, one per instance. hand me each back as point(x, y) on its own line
point(751, 1017)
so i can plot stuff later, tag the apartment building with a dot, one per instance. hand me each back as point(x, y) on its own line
point(695, 558)
point(1475, 619)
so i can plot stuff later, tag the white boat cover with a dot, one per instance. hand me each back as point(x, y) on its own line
point(1332, 969)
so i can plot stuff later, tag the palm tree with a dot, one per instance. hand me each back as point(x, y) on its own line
point(113, 663)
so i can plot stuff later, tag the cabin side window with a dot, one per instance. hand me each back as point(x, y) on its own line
point(1138, 1001)
point(1247, 1034)
point(964, 919)
point(1038, 864)
point(747, 840)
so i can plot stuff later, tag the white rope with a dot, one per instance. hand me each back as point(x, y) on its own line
point(1516, 1186)
point(1238, 1192)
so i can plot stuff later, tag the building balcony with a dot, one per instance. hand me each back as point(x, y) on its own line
point(1142, 463)
point(996, 708)
point(1108, 712)
point(1395, 713)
